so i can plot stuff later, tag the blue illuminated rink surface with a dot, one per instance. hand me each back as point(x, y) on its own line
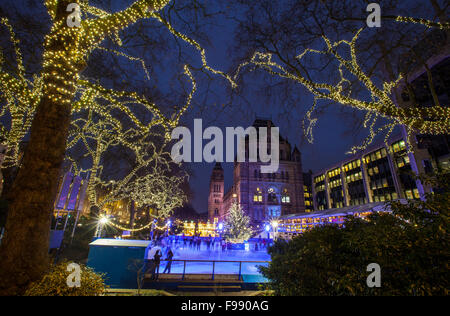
point(249, 270)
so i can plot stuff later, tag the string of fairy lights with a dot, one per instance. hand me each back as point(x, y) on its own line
point(103, 119)
point(433, 120)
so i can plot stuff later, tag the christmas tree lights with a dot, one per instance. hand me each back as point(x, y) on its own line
point(237, 225)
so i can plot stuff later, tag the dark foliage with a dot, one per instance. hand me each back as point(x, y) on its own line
point(411, 245)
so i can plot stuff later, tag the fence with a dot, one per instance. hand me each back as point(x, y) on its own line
point(214, 264)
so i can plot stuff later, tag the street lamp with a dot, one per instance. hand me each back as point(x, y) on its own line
point(220, 228)
point(169, 224)
point(100, 224)
point(152, 228)
point(274, 225)
point(267, 227)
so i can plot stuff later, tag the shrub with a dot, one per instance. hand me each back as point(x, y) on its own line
point(411, 245)
point(54, 283)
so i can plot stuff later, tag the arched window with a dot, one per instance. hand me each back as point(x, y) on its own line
point(257, 197)
point(285, 197)
point(216, 212)
point(271, 196)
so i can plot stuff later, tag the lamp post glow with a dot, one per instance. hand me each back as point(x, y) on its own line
point(220, 228)
point(267, 227)
point(100, 224)
point(274, 225)
point(169, 224)
point(152, 228)
point(103, 220)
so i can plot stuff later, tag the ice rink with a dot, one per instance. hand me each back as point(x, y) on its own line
point(182, 252)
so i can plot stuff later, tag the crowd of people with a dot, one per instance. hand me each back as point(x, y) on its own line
point(210, 242)
point(165, 245)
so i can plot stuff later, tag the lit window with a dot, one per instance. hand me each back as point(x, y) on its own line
point(257, 197)
point(409, 194)
point(285, 197)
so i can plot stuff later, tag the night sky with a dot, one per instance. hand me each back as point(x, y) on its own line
point(334, 134)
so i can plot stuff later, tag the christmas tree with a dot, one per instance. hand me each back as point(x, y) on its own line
point(237, 225)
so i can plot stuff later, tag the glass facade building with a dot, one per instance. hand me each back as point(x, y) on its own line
point(379, 174)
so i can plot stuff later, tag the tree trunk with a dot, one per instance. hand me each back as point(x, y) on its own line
point(132, 216)
point(24, 250)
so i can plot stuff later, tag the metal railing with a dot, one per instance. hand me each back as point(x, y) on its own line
point(213, 272)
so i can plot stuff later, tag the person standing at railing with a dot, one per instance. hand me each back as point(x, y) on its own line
point(157, 261)
point(169, 261)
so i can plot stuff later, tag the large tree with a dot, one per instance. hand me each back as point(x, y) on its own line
point(43, 108)
point(325, 48)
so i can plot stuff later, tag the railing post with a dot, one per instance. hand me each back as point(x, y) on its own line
point(214, 268)
point(184, 269)
point(240, 270)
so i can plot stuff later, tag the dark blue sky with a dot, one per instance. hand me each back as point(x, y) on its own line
point(336, 131)
point(332, 137)
point(332, 133)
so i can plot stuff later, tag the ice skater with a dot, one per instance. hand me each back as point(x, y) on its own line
point(157, 261)
point(199, 243)
point(169, 261)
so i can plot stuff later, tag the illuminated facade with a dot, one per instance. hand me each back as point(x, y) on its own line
point(308, 192)
point(378, 174)
point(292, 225)
point(205, 229)
point(261, 196)
point(432, 151)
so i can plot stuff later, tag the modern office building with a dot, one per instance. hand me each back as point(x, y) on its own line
point(291, 225)
point(380, 173)
point(362, 183)
point(308, 191)
point(428, 86)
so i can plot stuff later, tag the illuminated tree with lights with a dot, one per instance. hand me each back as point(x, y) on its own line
point(237, 225)
point(58, 109)
point(302, 43)
point(434, 120)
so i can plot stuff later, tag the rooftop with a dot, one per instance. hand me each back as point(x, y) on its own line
point(344, 211)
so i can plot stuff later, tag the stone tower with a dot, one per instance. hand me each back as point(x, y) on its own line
point(216, 190)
